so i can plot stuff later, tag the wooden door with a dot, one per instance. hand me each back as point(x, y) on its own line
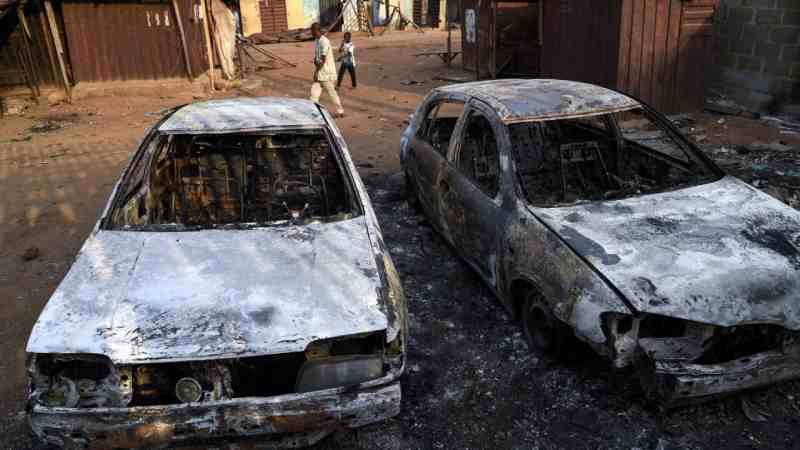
point(695, 54)
point(664, 51)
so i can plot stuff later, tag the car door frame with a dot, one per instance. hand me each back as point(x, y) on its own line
point(483, 258)
point(428, 193)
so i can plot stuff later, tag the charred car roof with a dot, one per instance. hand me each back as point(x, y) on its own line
point(241, 114)
point(529, 100)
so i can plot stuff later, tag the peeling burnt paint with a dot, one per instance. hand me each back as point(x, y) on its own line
point(695, 279)
point(523, 100)
point(722, 253)
point(144, 296)
point(204, 297)
point(290, 417)
point(240, 114)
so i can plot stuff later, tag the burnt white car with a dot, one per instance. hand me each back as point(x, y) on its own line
point(589, 214)
point(236, 285)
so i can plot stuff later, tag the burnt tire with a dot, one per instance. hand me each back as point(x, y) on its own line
point(411, 196)
point(543, 331)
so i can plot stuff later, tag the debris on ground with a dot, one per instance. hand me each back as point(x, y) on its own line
point(453, 78)
point(30, 254)
point(13, 106)
point(411, 82)
point(730, 108)
point(786, 125)
point(753, 410)
point(53, 122)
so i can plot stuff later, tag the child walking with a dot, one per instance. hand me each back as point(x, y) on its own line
point(348, 58)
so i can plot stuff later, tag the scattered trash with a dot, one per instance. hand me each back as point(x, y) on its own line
point(785, 125)
point(53, 122)
point(776, 146)
point(730, 108)
point(753, 411)
point(30, 254)
point(13, 106)
point(159, 113)
point(45, 127)
point(411, 82)
point(452, 78)
point(56, 155)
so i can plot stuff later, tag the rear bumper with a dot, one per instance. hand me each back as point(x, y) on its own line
point(286, 421)
point(677, 382)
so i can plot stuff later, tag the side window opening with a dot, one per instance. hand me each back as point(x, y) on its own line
point(478, 157)
point(562, 162)
point(439, 124)
point(205, 181)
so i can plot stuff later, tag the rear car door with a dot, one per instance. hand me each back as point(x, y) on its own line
point(428, 151)
point(471, 189)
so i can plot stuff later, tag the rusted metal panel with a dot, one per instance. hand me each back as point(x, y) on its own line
point(130, 41)
point(273, 16)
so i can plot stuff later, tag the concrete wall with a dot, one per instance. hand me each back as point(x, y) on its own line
point(758, 53)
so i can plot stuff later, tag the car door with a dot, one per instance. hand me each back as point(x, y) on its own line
point(428, 151)
point(470, 189)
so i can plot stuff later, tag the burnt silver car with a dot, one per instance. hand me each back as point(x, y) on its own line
point(236, 285)
point(589, 214)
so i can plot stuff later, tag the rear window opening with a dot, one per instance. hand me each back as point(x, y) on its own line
point(196, 181)
point(602, 157)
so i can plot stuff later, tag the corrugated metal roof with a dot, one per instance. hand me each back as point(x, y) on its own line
point(522, 100)
point(217, 116)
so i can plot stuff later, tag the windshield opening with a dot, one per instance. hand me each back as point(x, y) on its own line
point(602, 157)
point(189, 181)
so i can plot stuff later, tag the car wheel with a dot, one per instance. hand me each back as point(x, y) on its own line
point(543, 331)
point(411, 196)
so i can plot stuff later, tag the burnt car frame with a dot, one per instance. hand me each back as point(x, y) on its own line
point(236, 286)
point(589, 215)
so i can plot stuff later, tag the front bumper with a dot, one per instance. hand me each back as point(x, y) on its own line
point(674, 382)
point(292, 420)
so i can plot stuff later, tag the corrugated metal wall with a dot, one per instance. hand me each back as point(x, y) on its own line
point(273, 16)
point(131, 40)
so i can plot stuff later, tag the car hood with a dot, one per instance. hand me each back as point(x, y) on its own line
point(722, 253)
point(147, 296)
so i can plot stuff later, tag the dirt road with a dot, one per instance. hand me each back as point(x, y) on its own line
point(471, 383)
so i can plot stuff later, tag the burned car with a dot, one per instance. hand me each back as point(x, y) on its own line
point(590, 216)
point(236, 285)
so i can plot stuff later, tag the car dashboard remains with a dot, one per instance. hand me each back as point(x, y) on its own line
point(203, 181)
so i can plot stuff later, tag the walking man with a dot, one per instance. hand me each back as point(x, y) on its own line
point(348, 58)
point(324, 69)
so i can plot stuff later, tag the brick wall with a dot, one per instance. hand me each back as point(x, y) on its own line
point(758, 53)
